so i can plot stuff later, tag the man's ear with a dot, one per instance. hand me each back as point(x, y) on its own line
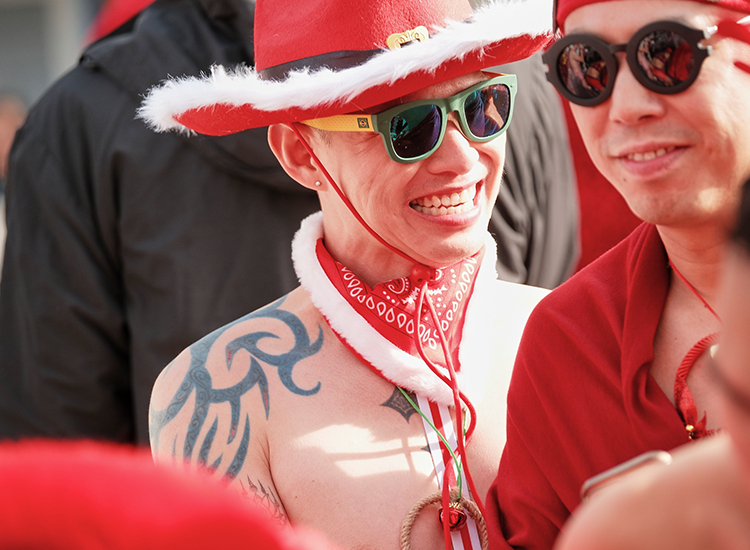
point(292, 155)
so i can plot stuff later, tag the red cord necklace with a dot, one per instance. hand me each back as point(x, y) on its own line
point(683, 398)
point(422, 275)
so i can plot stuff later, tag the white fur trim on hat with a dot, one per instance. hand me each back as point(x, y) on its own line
point(304, 89)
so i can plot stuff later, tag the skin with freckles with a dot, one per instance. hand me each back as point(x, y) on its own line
point(699, 501)
point(732, 356)
point(278, 406)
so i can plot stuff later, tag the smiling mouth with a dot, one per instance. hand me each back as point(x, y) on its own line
point(445, 205)
point(650, 155)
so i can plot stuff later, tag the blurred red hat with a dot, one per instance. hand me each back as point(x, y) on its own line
point(113, 14)
point(84, 495)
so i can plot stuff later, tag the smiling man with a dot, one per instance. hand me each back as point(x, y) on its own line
point(366, 400)
point(613, 363)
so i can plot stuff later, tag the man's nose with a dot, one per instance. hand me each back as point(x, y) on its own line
point(630, 101)
point(455, 152)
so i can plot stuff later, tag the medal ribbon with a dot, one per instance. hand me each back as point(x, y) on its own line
point(466, 538)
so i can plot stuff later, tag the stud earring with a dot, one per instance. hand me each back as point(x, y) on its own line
point(317, 184)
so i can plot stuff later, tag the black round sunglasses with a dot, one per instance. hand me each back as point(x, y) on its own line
point(665, 57)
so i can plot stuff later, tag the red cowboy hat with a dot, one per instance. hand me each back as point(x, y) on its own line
point(321, 58)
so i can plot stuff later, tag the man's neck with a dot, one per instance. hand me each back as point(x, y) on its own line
point(371, 261)
point(698, 255)
point(370, 267)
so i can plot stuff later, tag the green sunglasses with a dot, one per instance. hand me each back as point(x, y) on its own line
point(414, 130)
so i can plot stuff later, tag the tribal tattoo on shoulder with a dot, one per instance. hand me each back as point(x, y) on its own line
point(198, 381)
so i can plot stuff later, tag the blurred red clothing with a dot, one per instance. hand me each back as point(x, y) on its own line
point(113, 14)
point(605, 218)
point(87, 495)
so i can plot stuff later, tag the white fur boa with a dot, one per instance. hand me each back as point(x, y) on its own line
point(396, 365)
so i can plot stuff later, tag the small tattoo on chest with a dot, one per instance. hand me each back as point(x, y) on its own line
point(400, 404)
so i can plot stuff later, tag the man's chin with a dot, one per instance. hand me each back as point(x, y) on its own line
point(448, 252)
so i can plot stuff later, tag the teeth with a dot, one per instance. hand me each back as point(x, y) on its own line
point(649, 155)
point(455, 203)
point(442, 210)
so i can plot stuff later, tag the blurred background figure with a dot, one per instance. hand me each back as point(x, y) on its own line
point(95, 496)
point(702, 499)
point(536, 217)
point(114, 13)
point(12, 115)
point(116, 256)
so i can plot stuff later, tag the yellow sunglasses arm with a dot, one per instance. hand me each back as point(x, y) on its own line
point(343, 123)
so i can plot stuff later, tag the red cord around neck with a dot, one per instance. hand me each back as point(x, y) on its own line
point(694, 291)
point(424, 274)
point(348, 203)
point(683, 397)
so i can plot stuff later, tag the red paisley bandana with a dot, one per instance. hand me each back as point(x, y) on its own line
point(390, 307)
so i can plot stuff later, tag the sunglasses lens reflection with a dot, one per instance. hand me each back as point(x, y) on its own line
point(583, 70)
point(665, 58)
point(415, 131)
point(487, 110)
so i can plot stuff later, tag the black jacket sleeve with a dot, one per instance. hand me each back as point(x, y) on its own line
point(63, 343)
point(125, 246)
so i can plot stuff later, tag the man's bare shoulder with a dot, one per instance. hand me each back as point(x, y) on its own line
point(210, 406)
point(221, 369)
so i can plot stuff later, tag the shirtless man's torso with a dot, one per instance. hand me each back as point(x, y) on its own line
point(278, 405)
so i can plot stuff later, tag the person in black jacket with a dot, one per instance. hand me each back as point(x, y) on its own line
point(124, 246)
